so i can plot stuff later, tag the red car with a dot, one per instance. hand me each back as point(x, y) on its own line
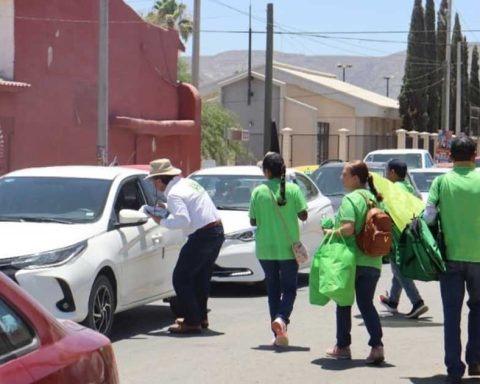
point(37, 348)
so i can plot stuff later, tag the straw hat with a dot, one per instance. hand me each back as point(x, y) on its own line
point(162, 167)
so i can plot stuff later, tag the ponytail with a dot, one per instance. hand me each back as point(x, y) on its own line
point(274, 163)
point(371, 186)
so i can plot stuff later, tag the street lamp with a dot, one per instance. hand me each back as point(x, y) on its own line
point(343, 66)
point(388, 81)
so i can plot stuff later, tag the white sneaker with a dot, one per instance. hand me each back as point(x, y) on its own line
point(280, 329)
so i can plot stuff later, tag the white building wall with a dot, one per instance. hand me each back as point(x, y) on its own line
point(7, 38)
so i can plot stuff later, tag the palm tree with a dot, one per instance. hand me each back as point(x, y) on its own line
point(170, 14)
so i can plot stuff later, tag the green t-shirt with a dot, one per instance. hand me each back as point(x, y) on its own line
point(354, 209)
point(406, 186)
point(457, 194)
point(272, 243)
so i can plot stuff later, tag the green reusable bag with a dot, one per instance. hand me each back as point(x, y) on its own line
point(418, 256)
point(315, 297)
point(336, 273)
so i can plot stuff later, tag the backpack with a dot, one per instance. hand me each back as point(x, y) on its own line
point(375, 238)
point(418, 255)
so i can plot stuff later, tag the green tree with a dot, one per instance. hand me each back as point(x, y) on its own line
point(474, 79)
point(216, 121)
point(412, 98)
point(183, 71)
point(170, 14)
point(434, 68)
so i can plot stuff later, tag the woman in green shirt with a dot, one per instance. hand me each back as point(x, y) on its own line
point(349, 221)
point(275, 208)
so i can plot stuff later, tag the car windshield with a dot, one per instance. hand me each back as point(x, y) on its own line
point(328, 179)
point(230, 192)
point(413, 160)
point(52, 199)
point(424, 180)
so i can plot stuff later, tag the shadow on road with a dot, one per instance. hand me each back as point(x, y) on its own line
point(437, 379)
point(205, 333)
point(342, 365)
point(248, 289)
point(135, 323)
point(400, 321)
point(290, 348)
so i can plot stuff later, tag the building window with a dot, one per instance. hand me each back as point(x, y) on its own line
point(323, 136)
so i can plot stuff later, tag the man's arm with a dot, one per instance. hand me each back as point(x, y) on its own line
point(179, 217)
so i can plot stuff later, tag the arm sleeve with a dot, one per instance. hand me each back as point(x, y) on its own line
point(179, 217)
point(433, 194)
point(251, 211)
point(300, 202)
point(346, 212)
point(430, 213)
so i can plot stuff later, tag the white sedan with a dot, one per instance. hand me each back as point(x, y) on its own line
point(75, 238)
point(230, 189)
point(423, 178)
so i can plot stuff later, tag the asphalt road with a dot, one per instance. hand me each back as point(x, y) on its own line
point(237, 348)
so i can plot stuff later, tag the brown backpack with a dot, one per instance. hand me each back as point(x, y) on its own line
point(375, 238)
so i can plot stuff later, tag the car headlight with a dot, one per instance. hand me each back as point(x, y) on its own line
point(53, 258)
point(245, 235)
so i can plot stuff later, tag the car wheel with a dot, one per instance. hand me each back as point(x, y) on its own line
point(101, 306)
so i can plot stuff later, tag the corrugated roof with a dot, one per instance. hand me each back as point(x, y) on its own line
point(340, 86)
point(17, 84)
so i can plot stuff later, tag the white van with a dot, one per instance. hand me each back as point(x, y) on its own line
point(415, 158)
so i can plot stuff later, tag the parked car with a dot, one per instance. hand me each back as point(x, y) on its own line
point(327, 179)
point(424, 178)
point(415, 158)
point(75, 238)
point(307, 169)
point(230, 189)
point(37, 348)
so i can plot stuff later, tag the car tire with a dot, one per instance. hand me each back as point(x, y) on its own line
point(101, 306)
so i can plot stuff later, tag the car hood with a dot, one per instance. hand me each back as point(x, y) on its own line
point(234, 221)
point(20, 239)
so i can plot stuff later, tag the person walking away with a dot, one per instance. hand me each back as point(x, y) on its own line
point(275, 208)
point(349, 221)
point(456, 197)
point(192, 210)
point(396, 173)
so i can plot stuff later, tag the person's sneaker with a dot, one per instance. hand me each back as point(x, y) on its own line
point(389, 305)
point(280, 329)
point(339, 353)
point(418, 309)
point(474, 369)
point(376, 356)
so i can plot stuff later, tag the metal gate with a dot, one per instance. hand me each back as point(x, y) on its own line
point(323, 137)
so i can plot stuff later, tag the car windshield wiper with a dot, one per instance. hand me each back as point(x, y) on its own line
point(44, 220)
point(6, 218)
point(230, 208)
point(335, 194)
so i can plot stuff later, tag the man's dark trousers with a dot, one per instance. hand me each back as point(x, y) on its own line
point(192, 274)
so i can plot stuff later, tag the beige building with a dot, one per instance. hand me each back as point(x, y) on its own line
point(315, 106)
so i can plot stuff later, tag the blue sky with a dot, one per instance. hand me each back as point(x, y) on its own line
point(316, 16)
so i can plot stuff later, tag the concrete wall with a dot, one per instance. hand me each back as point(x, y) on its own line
point(251, 117)
point(7, 38)
point(56, 119)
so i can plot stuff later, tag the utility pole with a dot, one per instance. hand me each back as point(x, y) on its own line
point(102, 103)
point(344, 66)
point(458, 106)
point(249, 95)
point(388, 81)
point(267, 125)
point(446, 123)
point(196, 44)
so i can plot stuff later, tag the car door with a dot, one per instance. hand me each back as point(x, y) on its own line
point(319, 207)
point(143, 251)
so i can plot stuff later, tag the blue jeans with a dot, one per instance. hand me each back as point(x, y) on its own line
point(193, 271)
point(366, 279)
point(460, 275)
point(399, 282)
point(281, 279)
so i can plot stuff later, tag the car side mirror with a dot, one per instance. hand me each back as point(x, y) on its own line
point(131, 218)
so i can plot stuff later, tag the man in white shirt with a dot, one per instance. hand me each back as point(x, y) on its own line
point(192, 210)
